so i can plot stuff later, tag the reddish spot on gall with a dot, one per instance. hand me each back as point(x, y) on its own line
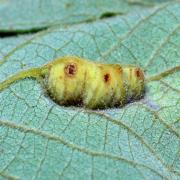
point(139, 74)
point(106, 77)
point(70, 70)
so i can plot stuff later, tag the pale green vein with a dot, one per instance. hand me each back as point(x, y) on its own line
point(41, 162)
point(169, 86)
point(163, 74)
point(104, 54)
point(9, 176)
point(14, 158)
point(171, 129)
point(120, 123)
point(21, 45)
point(50, 137)
point(157, 51)
point(33, 73)
point(60, 174)
point(113, 47)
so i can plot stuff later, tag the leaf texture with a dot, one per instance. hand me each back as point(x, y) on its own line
point(42, 140)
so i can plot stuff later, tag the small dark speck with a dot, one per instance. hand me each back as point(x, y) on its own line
point(68, 5)
point(106, 77)
point(108, 15)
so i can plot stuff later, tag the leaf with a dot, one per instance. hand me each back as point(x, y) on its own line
point(17, 16)
point(8, 44)
point(147, 2)
point(42, 140)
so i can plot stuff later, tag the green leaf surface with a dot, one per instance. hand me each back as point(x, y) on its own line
point(9, 43)
point(33, 15)
point(148, 2)
point(42, 140)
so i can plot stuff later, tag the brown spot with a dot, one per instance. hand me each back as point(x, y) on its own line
point(70, 70)
point(118, 69)
point(106, 77)
point(139, 74)
point(60, 77)
point(68, 5)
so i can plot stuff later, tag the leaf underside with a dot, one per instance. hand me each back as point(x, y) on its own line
point(42, 140)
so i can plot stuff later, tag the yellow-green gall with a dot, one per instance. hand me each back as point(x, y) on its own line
point(76, 81)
